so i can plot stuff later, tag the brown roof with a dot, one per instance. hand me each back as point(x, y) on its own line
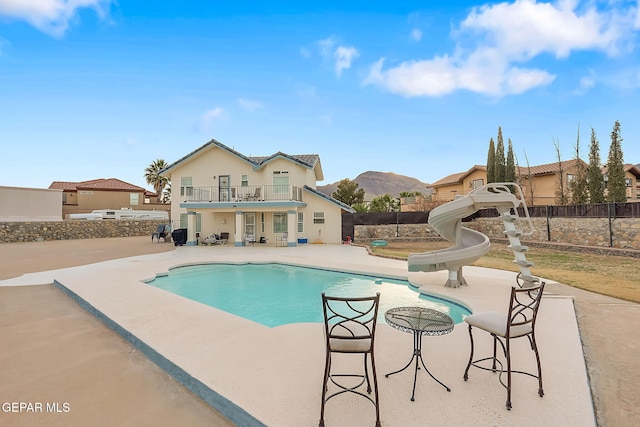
point(628, 167)
point(456, 177)
point(546, 169)
point(108, 184)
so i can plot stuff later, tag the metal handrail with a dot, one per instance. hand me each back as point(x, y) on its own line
point(238, 193)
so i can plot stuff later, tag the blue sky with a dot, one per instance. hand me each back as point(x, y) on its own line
point(99, 89)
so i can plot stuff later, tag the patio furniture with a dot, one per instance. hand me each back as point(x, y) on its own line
point(282, 239)
point(213, 239)
point(160, 233)
point(419, 321)
point(224, 237)
point(249, 239)
point(518, 322)
point(349, 328)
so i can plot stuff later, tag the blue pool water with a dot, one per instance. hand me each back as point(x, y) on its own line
point(277, 294)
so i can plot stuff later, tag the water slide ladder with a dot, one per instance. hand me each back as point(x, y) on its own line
point(513, 229)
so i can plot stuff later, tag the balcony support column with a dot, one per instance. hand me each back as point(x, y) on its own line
point(191, 229)
point(292, 227)
point(238, 238)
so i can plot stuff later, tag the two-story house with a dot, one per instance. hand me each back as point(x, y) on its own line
point(104, 193)
point(216, 190)
point(539, 183)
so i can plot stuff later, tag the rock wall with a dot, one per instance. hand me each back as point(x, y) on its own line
point(624, 233)
point(11, 232)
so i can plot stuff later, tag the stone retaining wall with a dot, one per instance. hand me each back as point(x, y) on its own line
point(11, 232)
point(594, 232)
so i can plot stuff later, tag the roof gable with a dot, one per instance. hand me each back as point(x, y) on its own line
point(310, 161)
point(456, 178)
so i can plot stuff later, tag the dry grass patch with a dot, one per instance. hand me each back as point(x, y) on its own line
point(615, 276)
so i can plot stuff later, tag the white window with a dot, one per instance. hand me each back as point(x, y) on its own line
point(318, 217)
point(186, 186)
point(184, 221)
point(280, 182)
point(477, 183)
point(300, 222)
point(245, 180)
point(627, 182)
point(279, 222)
point(262, 216)
point(134, 199)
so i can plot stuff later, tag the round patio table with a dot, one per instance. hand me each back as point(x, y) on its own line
point(419, 321)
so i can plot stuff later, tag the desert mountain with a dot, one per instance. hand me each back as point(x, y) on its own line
point(378, 183)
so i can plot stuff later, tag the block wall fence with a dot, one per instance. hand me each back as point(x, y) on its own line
point(12, 232)
point(621, 233)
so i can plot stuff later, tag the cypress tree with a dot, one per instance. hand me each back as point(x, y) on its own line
point(510, 170)
point(491, 163)
point(561, 190)
point(578, 185)
point(595, 179)
point(499, 173)
point(616, 186)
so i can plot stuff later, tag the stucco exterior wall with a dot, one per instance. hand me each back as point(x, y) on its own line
point(331, 230)
point(85, 201)
point(30, 204)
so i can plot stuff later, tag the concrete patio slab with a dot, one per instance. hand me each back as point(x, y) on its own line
point(272, 376)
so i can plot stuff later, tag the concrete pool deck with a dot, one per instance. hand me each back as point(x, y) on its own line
point(273, 376)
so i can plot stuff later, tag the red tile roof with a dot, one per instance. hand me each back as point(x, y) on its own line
point(108, 184)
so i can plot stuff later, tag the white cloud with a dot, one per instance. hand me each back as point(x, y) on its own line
point(208, 117)
point(250, 105)
point(325, 47)
point(416, 34)
point(585, 84)
point(496, 41)
point(526, 28)
point(52, 17)
point(343, 56)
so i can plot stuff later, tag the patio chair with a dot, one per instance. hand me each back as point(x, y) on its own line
point(283, 239)
point(224, 237)
point(349, 328)
point(249, 239)
point(161, 232)
point(256, 195)
point(520, 321)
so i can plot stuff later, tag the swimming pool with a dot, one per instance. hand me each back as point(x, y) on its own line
point(276, 294)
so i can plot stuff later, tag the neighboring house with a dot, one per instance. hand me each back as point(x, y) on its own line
point(632, 181)
point(218, 190)
point(539, 183)
point(458, 184)
point(21, 204)
point(109, 193)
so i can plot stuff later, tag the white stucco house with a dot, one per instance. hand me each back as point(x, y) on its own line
point(272, 199)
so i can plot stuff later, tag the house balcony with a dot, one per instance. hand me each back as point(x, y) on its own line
point(241, 194)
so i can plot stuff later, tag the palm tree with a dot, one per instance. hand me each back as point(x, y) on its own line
point(153, 177)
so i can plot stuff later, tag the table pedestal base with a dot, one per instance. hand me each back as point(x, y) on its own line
point(417, 356)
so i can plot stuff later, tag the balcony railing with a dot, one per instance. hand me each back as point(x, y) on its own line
point(250, 193)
